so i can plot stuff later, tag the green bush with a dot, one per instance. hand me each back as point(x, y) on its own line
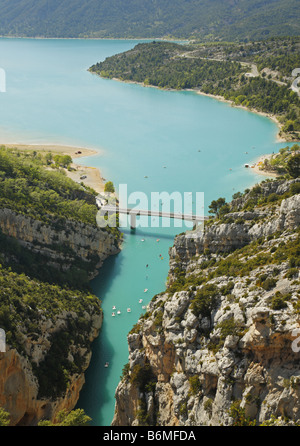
point(143, 377)
point(279, 301)
point(238, 415)
point(109, 187)
point(195, 384)
point(205, 300)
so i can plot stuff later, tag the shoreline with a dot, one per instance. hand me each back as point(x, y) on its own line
point(73, 151)
point(279, 138)
point(259, 161)
point(93, 175)
point(252, 110)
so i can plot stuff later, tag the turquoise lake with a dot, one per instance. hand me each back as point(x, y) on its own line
point(180, 141)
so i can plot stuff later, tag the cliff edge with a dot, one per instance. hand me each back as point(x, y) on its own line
point(219, 346)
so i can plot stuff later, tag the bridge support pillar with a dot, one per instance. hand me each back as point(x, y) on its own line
point(132, 221)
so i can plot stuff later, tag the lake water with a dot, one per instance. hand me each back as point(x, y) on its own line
point(180, 141)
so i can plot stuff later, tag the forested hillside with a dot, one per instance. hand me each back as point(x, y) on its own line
point(205, 19)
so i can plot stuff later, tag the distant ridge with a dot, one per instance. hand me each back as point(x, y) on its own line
point(201, 19)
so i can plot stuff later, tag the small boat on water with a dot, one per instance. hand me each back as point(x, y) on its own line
point(140, 301)
point(118, 312)
point(114, 307)
point(128, 310)
point(113, 314)
point(106, 364)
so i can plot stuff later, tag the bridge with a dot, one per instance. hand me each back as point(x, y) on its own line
point(150, 213)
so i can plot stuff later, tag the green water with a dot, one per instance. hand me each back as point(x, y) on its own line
point(180, 140)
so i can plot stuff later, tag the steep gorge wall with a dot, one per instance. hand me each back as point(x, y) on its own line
point(61, 245)
point(19, 386)
point(81, 241)
point(227, 339)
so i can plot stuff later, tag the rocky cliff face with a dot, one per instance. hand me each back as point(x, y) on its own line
point(19, 385)
point(223, 335)
point(48, 344)
point(63, 243)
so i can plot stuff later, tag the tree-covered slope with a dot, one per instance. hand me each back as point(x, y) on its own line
point(235, 19)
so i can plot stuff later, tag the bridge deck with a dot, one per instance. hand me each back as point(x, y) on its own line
point(150, 213)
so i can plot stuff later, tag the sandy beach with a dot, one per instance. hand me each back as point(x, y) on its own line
point(93, 175)
point(255, 167)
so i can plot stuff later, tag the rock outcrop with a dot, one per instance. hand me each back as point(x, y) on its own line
point(224, 333)
point(63, 243)
point(19, 382)
point(50, 248)
point(26, 384)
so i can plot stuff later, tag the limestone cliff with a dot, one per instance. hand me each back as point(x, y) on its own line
point(222, 335)
point(46, 347)
point(62, 245)
point(20, 392)
point(50, 247)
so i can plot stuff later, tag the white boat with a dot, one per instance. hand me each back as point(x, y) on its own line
point(145, 290)
point(113, 314)
point(128, 310)
point(114, 307)
point(118, 312)
point(140, 301)
point(106, 364)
